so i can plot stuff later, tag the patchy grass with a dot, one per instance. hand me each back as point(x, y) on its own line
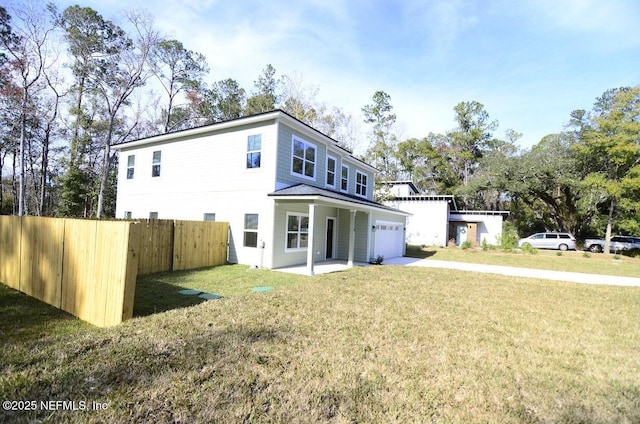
point(159, 292)
point(573, 261)
point(376, 344)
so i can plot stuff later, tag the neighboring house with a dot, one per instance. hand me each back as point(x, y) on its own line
point(435, 220)
point(282, 186)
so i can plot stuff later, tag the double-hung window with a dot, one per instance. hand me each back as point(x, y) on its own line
point(250, 230)
point(297, 231)
point(254, 148)
point(131, 164)
point(344, 178)
point(361, 184)
point(303, 158)
point(155, 165)
point(331, 171)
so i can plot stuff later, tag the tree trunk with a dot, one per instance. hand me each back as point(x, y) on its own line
point(105, 168)
point(23, 125)
point(607, 237)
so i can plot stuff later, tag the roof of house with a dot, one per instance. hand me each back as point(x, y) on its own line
point(403, 182)
point(260, 117)
point(308, 192)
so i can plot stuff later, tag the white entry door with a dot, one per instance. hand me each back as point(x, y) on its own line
point(389, 239)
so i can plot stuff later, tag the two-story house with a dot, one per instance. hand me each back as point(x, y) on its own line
point(291, 195)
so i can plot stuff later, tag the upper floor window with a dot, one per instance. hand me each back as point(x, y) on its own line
point(361, 184)
point(127, 214)
point(155, 166)
point(131, 163)
point(331, 171)
point(153, 215)
point(344, 178)
point(254, 147)
point(303, 158)
point(209, 216)
point(250, 230)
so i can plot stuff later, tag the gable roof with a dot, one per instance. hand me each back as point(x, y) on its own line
point(307, 192)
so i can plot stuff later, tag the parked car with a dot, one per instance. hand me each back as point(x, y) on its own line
point(618, 244)
point(561, 241)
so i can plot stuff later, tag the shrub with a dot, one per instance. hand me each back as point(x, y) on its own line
point(485, 245)
point(466, 245)
point(558, 253)
point(527, 248)
point(586, 254)
point(508, 240)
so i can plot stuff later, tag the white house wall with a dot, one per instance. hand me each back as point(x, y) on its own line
point(202, 175)
point(489, 226)
point(428, 223)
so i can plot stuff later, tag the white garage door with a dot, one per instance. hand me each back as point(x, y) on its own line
point(389, 239)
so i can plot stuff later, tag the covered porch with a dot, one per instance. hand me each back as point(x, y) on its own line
point(317, 230)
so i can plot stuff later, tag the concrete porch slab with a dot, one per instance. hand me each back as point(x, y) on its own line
point(323, 267)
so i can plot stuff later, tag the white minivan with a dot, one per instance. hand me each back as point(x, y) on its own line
point(561, 241)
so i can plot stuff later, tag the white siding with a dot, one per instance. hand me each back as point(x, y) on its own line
point(428, 223)
point(206, 174)
point(489, 226)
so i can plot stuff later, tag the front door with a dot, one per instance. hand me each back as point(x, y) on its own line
point(330, 236)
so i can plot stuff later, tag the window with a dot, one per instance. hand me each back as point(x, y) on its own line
point(361, 184)
point(344, 179)
point(303, 161)
point(331, 171)
point(153, 215)
point(250, 230)
point(155, 167)
point(127, 215)
point(208, 216)
point(131, 163)
point(297, 231)
point(254, 146)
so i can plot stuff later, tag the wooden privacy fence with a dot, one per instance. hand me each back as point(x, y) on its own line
point(89, 268)
point(167, 245)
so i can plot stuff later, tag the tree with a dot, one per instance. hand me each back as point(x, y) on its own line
point(382, 140)
point(472, 136)
point(26, 52)
point(116, 81)
point(301, 102)
point(178, 70)
point(91, 42)
point(611, 146)
point(224, 101)
point(266, 97)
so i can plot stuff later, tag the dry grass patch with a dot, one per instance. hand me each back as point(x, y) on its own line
point(378, 344)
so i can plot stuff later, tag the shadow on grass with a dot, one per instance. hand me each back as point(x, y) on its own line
point(27, 318)
point(418, 252)
point(153, 296)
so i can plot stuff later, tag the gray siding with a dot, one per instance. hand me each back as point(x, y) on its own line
point(284, 178)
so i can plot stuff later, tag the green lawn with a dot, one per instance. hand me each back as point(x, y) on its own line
point(573, 261)
point(376, 344)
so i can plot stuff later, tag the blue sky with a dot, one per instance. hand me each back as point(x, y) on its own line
point(530, 62)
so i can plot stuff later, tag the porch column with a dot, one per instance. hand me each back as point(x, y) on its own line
point(310, 245)
point(352, 237)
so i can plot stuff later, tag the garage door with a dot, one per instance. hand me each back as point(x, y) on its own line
point(389, 239)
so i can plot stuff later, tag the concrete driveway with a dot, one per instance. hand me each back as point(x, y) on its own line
point(573, 277)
